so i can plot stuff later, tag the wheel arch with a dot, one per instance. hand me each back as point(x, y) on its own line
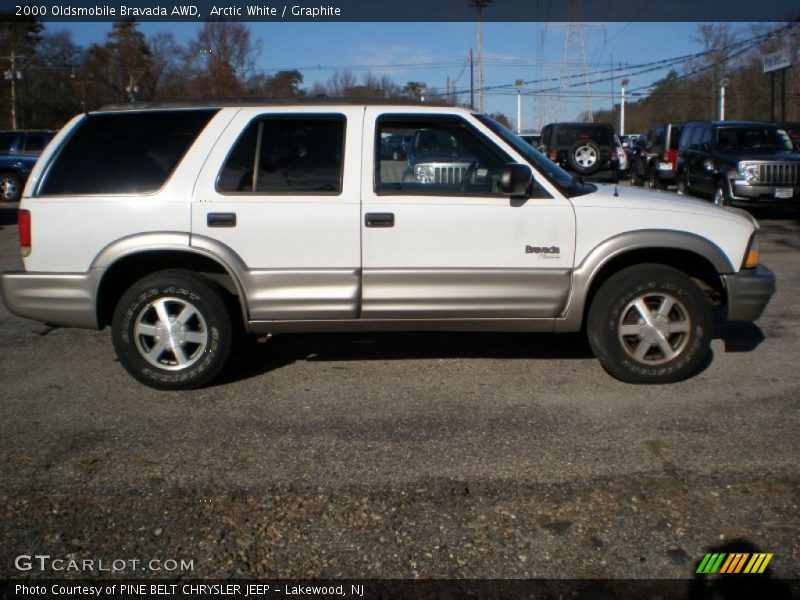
point(691, 254)
point(119, 273)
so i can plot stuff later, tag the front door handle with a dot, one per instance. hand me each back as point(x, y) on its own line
point(379, 219)
point(221, 219)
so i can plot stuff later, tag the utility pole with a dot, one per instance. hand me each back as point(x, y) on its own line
point(479, 6)
point(518, 85)
point(471, 81)
point(13, 75)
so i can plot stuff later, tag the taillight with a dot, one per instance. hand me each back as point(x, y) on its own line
point(672, 158)
point(24, 223)
point(553, 155)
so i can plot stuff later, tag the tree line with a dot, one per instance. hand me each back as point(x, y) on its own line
point(693, 94)
point(56, 78)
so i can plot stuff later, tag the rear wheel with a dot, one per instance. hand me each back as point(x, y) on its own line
point(683, 184)
point(653, 182)
point(636, 179)
point(172, 330)
point(10, 187)
point(650, 324)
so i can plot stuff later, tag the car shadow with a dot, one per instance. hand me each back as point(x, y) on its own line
point(252, 358)
point(738, 337)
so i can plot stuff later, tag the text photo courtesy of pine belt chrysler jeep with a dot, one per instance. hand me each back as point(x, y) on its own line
point(177, 226)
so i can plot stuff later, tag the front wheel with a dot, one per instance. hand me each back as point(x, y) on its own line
point(172, 330)
point(721, 196)
point(650, 324)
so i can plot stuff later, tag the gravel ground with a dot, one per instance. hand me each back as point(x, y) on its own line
point(405, 456)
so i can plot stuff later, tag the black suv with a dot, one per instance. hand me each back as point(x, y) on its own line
point(584, 148)
point(738, 162)
point(657, 161)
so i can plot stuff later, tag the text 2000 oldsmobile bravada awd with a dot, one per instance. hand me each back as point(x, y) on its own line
point(177, 226)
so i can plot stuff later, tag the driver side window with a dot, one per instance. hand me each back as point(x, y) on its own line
point(437, 156)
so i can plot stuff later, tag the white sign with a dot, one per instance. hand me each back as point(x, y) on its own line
point(777, 61)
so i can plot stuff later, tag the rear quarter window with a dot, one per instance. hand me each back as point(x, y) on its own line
point(123, 153)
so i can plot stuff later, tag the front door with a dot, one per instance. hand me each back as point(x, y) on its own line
point(440, 241)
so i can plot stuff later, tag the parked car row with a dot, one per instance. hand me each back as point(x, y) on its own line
point(19, 151)
point(732, 162)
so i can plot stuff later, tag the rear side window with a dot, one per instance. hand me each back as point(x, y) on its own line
point(35, 143)
point(295, 155)
point(123, 153)
point(6, 141)
point(686, 136)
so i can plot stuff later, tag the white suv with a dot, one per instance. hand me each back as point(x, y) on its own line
point(179, 225)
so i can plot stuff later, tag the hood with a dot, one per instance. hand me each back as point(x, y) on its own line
point(655, 200)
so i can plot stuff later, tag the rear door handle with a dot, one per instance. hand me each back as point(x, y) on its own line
point(221, 219)
point(379, 219)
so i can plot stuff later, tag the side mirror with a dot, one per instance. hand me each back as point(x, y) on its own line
point(515, 179)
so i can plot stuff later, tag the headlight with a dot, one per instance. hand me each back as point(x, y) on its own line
point(424, 173)
point(749, 172)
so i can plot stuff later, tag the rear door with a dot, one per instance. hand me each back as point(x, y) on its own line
point(439, 239)
point(273, 194)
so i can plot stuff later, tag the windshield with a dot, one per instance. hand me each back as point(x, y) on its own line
point(752, 139)
point(544, 165)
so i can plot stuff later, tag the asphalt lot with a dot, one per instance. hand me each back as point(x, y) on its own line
point(444, 455)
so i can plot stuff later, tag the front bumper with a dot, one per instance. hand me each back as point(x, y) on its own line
point(749, 292)
point(746, 193)
point(66, 299)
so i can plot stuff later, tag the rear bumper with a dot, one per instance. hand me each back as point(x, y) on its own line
point(749, 293)
point(66, 299)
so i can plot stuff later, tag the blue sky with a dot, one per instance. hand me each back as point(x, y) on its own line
point(432, 52)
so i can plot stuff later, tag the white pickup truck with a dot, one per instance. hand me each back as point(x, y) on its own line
point(179, 225)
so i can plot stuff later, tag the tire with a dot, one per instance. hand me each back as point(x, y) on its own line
point(652, 181)
point(636, 179)
point(10, 187)
point(721, 196)
point(584, 157)
point(206, 333)
point(683, 184)
point(633, 350)
point(395, 155)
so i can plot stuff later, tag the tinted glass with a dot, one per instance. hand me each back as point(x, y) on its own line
point(297, 155)
point(675, 137)
point(752, 138)
point(124, 153)
point(569, 134)
point(686, 136)
point(6, 140)
point(35, 142)
point(445, 156)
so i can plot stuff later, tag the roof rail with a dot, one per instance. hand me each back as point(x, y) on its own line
point(219, 103)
